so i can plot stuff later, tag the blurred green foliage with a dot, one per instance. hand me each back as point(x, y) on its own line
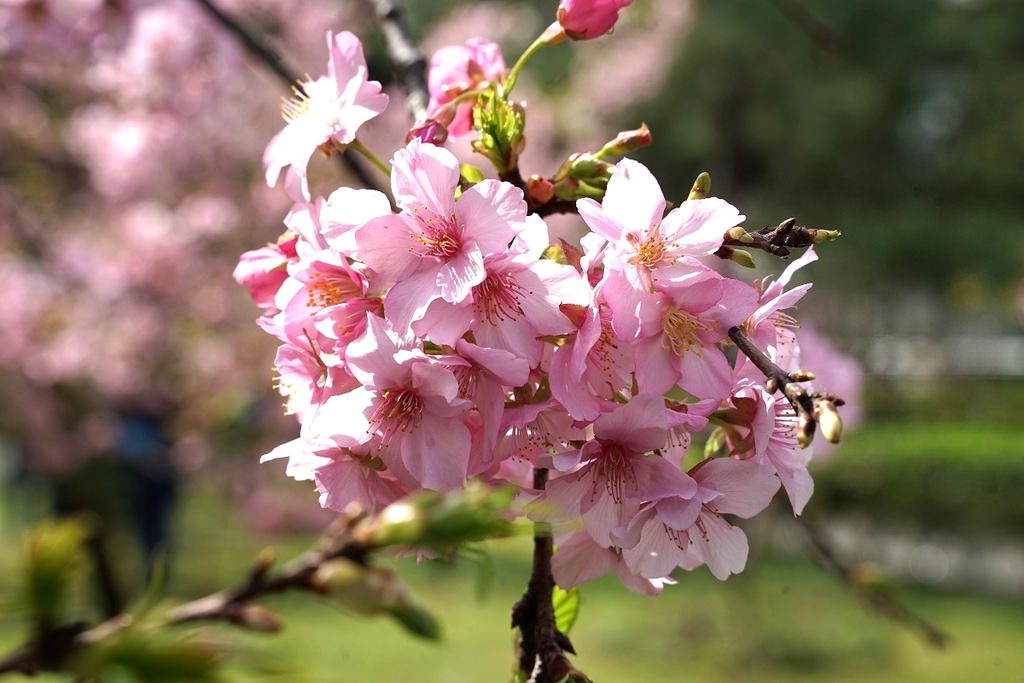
point(54, 558)
point(909, 137)
point(956, 478)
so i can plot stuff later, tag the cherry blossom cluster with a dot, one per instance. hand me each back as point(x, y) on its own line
point(446, 336)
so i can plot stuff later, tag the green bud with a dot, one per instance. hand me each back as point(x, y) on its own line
point(539, 190)
point(738, 256)
point(417, 620)
point(258, 618)
point(588, 167)
point(819, 235)
point(500, 124)
point(471, 174)
point(738, 234)
point(626, 141)
point(701, 186)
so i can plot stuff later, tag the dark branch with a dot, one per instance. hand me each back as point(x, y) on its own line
point(556, 206)
point(542, 646)
point(778, 239)
point(230, 605)
point(269, 57)
point(872, 596)
point(810, 408)
point(409, 63)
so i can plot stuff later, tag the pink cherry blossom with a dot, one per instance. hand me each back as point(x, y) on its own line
point(581, 559)
point(516, 304)
point(435, 248)
point(615, 476)
point(329, 109)
point(593, 366)
point(771, 425)
point(642, 243)
point(407, 402)
point(679, 327)
point(586, 19)
point(458, 69)
point(262, 271)
point(342, 476)
point(686, 533)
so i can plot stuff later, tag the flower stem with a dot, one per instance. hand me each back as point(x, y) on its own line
point(358, 146)
point(513, 74)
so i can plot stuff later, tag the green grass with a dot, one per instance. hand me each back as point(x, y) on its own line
point(783, 620)
point(780, 621)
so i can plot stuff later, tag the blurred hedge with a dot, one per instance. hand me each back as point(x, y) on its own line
point(951, 476)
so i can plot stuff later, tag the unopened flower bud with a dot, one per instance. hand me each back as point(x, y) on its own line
point(701, 186)
point(626, 141)
point(416, 620)
point(818, 235)
point(802, 376)
point(738, 256)
point(829, 421)
point(431, 131)
point(257, 618)
point(539, 190)
point(587, 19)
point(337, 575)
point(739, 235)
point(588, 167)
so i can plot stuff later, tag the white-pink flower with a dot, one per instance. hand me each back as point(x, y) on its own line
point(675, 532)
point(326, 110)
point(435, 248)
point(616, 476)
point(643, 244)
point(407, 404)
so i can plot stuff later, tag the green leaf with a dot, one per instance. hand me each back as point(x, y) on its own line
point(567, 608)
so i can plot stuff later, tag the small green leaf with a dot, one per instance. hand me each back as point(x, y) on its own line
point(567, 608)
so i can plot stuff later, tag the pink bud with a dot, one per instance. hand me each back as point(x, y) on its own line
point(539, 190)
point(587, 19)
point(430, 131)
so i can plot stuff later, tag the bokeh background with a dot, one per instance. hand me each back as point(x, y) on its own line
point(134, 382)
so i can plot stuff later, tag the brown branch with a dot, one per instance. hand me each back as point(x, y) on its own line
point(874, 597)
point(409, 63)
point(811, 409)
point(777, 240)
point(264, 53)
point(555, 206)
point(52, 647)
point(231, 605)
point(779, 379)
point(541, 646)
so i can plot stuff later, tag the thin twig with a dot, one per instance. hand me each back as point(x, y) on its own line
point(872, 596)
point(405, 56)
point(778, 379)
point(269, 57)
point(777, 240)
